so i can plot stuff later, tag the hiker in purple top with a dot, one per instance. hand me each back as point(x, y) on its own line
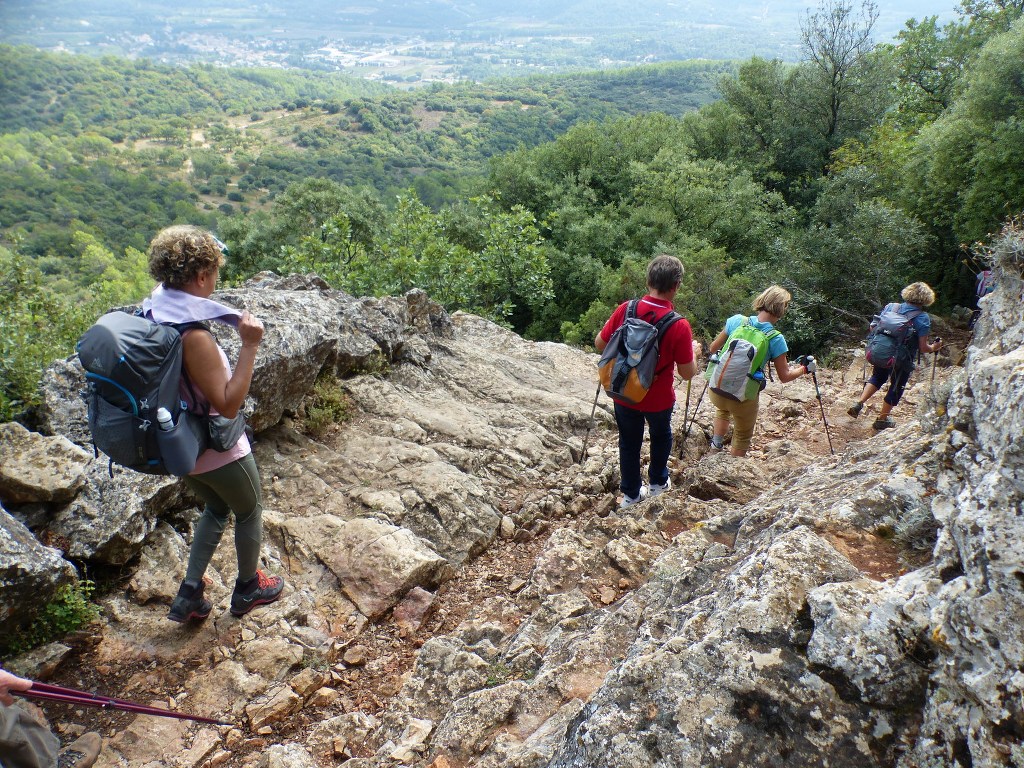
point(187, 261)
point(916, 297)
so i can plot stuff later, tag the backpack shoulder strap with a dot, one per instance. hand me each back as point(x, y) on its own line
point(667, 320)
point(181, 328)
point(189, 326)
point(767, 334)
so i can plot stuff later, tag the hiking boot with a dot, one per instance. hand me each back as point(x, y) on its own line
point(81, 753)
point(885, 423)
point(855, 409)
point(629, 501)
point(657, 489)
point(189, 603)
point(260, 590)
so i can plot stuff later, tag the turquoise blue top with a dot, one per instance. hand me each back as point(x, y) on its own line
point(776, 345)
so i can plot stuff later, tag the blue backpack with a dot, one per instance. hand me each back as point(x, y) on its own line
point(889, 342)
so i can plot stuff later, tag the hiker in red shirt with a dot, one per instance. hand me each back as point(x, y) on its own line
point(677, 353)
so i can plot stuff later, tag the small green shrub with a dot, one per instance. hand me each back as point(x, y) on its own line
point(498, 674)
point(327, 405)
point(69, 611)
point(374, 365)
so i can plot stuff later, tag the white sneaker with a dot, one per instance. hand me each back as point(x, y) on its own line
point(628, 501)
point(659, 489)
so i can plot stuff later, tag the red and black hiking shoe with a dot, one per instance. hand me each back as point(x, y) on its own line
point(262, 589)
point(189, 603)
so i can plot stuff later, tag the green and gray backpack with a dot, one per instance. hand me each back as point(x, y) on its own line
point(738, 373)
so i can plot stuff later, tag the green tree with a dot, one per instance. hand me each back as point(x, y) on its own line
point(969, 164)
point(836, 42)
point(857, 253)
point(37, 326)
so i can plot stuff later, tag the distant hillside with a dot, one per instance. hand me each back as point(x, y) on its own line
point(44, 89)
point(120, 148)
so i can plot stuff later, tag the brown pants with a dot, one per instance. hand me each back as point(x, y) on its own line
point(24, 741)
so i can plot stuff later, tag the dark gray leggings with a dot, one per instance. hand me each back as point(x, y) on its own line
point(232, 488)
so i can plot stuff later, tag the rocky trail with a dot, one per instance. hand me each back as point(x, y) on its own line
point(463, 592)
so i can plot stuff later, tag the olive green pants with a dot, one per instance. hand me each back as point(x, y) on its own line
point(234, 488)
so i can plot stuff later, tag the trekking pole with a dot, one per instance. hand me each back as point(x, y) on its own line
point(696, 408)
point(864, 366)
point(935, 358)
point(686, 407)
point(83, 698)
point(586, 437)
point(817, 392)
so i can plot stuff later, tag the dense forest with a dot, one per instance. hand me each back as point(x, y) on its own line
point(533, 202)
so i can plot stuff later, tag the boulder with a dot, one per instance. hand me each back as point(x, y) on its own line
point(377, 564)
point(30, 574)
point(37, 468)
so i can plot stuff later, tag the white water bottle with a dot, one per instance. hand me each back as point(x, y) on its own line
point(163, 418)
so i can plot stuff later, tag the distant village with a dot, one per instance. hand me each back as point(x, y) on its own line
point(412, 61)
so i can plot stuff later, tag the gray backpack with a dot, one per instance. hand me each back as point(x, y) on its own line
point(890, 342)
point(133, 368)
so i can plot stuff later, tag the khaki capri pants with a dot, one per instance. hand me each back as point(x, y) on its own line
point(742, 415)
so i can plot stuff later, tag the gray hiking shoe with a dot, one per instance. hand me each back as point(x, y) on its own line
point(82, 752)
point(885, 423)
point(190, 604)
point(855, 409)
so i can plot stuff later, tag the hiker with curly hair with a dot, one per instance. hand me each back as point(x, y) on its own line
point(916, 297)
point(186, 260)
point(769, 306)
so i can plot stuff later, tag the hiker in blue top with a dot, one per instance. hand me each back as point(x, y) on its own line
point(916, 297)
point(770, 306)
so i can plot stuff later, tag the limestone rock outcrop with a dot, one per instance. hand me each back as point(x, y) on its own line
point(796, 608)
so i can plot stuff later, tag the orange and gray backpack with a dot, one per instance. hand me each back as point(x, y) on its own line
point(628, 365)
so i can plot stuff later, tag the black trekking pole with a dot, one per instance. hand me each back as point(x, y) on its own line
point(686, 407)
point(821, 405)
point(586, 437)
point(693, 418)
point(696, 408)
